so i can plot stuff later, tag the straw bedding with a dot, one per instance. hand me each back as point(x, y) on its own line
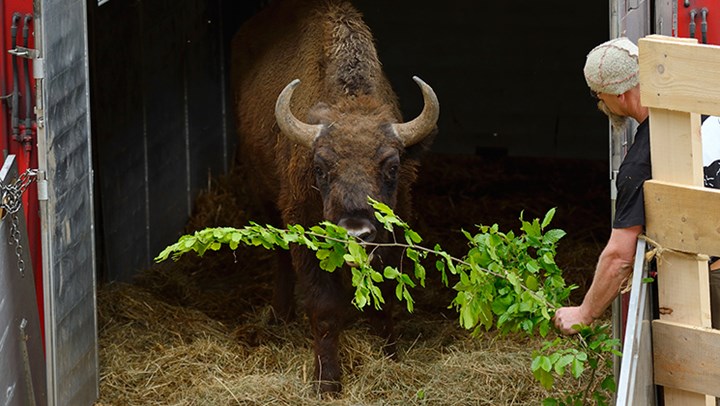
point(198, 331)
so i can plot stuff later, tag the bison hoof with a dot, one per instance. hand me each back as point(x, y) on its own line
point(328, 388)
point(271, 317)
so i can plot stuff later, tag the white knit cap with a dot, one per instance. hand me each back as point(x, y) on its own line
point(612, 67)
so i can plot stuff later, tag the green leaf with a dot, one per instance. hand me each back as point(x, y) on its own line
point(544, 327)
point(535, 365)
point(513, 279)
point(467, 318)
point(563, 362)
point(545, 363)
point(577, 368)
point(356, 252)
point(553, 236)
point(531, 282)
point(412, 237)
point(189, 242)
point(408, 300)
point(531, 229)
point(608, 383)
point(548, 217)
point(545, 378)
point(360, 298)
point(390, 272)
point(485, 315)
point(377, 277)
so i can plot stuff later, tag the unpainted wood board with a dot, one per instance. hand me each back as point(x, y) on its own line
point(678, 397)
point(676, 146)
point(683, 289)
point(679, 76)
point(683, 218)
point(659, 37)
point(686, 357)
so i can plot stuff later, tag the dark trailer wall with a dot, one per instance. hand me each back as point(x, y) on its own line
point(160, 120)
point(509, 79)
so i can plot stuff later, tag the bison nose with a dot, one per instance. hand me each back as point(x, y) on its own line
point(359, 227)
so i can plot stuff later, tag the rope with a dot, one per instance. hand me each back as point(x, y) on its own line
point(658, 251)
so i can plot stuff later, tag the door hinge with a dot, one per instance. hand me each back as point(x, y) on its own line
point(42, 186)
point(38, 68)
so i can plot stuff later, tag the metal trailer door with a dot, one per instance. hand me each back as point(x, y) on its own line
point(66, 206)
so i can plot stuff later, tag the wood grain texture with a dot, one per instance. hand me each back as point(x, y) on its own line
point(677, 75)
point(676, 147)
point(686, 357)
point(683, 218)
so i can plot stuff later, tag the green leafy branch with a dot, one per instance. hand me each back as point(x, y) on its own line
point(507, 281)
point(499, 279)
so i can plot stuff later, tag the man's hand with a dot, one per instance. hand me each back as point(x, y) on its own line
point(567, 317)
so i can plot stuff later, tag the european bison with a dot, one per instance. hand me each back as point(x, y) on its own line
point(319, 146)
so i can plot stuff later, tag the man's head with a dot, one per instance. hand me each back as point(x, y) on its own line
point(611, 69)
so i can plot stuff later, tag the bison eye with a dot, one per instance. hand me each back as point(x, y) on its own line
point(320, 173)
point(391, 172)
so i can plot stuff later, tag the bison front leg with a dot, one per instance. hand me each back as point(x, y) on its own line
point(327, 363)
point(283, 301)
point(327, 313)
point(383, 326)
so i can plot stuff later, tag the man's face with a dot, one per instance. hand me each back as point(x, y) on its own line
point(612, 106)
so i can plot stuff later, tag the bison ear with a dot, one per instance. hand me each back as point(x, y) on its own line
point(319, 114)
point(418, 150)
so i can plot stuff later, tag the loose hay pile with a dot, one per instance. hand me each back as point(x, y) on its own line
point(197, 332)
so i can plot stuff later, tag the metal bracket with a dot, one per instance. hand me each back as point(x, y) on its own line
point(23, 52)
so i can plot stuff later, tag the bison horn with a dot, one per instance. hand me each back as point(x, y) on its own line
point(416, 130)
point(296, 130)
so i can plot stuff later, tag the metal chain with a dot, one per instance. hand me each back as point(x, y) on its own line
point(15, 238)
point(12, 193)
point(10, 204)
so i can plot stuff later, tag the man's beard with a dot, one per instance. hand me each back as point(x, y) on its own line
point(619, 123)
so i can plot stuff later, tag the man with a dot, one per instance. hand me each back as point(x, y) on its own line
point(612, 72)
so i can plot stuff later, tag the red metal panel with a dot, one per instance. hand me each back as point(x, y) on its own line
point(699, 19)
point(18, 136)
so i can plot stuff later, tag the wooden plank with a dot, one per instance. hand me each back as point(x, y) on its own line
point(679, 76)
point(683, 290)
point(683, 297)
point(686, 357)
point(682, 398)
point(683, 218)
point(672, 39)
point(676, 146)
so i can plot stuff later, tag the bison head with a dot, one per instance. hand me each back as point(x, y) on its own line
point(357, 151)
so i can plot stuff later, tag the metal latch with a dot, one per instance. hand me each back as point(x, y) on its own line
point(23, 52)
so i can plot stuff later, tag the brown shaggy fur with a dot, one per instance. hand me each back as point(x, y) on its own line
point(329, 48)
